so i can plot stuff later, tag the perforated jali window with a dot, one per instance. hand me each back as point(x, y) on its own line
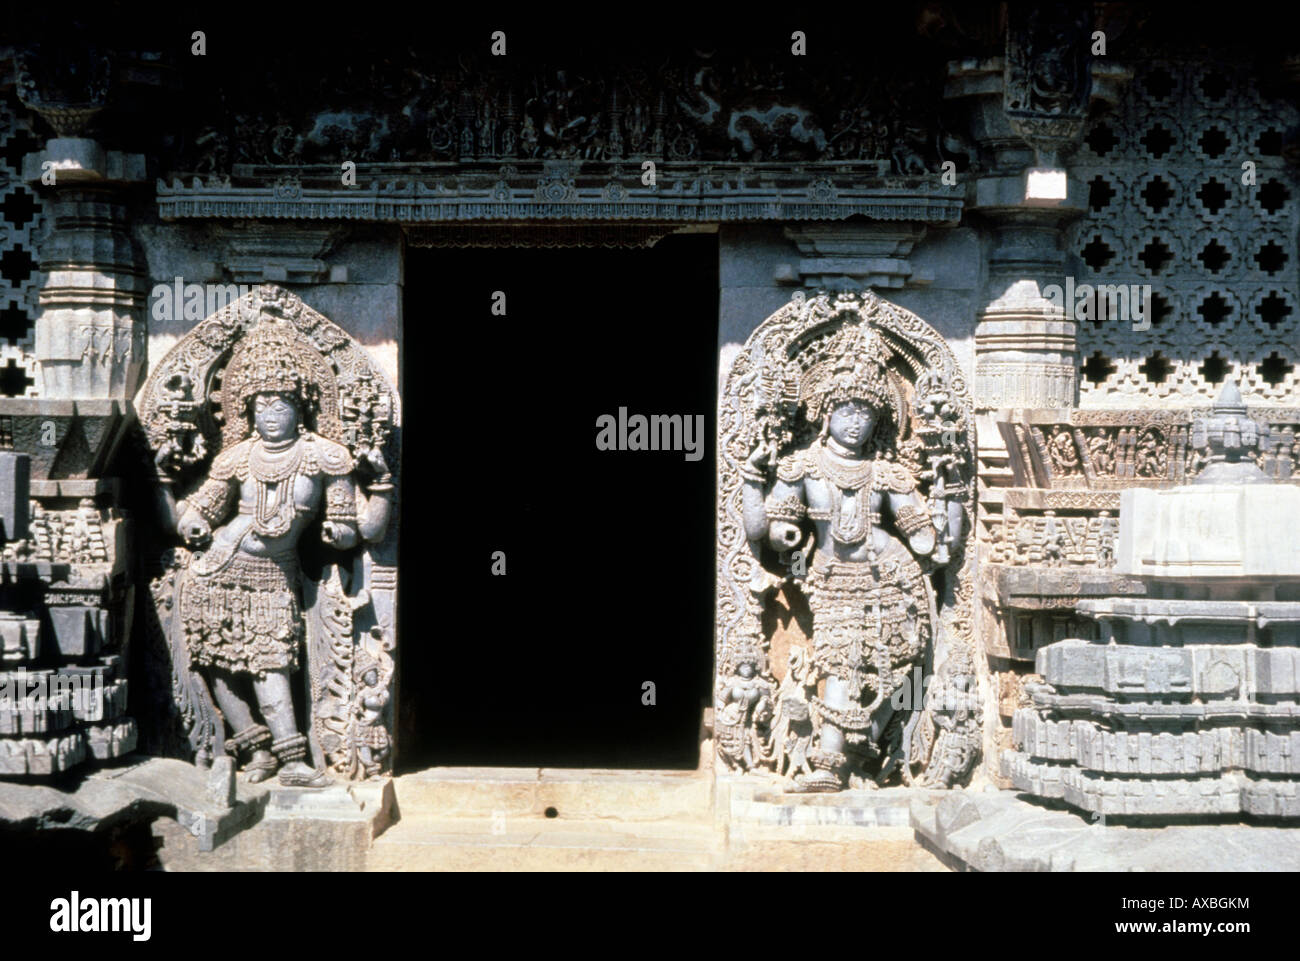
point(21, 223)
point(1167, 207)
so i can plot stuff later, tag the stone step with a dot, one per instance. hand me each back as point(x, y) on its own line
point(575, 795)
point(885, 849)
point(856, 830)
point(861, 808)
point(424, 843)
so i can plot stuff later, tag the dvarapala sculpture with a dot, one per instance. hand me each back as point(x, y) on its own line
point(238, 613)
point(846, 467)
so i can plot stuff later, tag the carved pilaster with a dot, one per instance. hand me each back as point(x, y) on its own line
point(257, 252)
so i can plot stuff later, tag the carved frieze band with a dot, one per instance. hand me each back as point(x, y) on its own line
point(1109, 450)
point(682, 193)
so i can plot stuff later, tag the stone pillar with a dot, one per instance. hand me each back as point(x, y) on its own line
point(1026, 110)
point(90, 331)
point(67, 595)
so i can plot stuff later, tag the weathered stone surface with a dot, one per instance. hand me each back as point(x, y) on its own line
point(1209, 531)
point(1187, 705)
point(1157, 752)
point(1209, 671)
point(20, 638)
point(301, 829)
point(110, 741)
point(1012, 834)
point(824, 716)
point(141, 792)
point(15, 475)
point(40, 756)
point(300, 401)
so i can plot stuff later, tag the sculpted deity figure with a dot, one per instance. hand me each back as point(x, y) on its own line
point(792, 733)
point(240, 604)
point(955, 704)
point(872, 613)
point(743, 706)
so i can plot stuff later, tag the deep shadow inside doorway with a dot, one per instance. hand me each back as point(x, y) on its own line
point(609, 554)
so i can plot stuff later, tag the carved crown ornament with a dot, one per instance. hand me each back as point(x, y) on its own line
point(188, 411)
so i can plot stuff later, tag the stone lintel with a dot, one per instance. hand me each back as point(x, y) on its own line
point(452, 193)
point(1037, 588)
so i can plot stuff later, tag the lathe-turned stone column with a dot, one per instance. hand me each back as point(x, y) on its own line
point(1027, 110)
point(66, 600)
point(90, 331)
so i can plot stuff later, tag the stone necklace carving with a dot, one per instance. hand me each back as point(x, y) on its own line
point(274, 467)
point(850, 490)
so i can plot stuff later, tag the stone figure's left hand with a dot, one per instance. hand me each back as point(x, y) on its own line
point(195, 529)
point(338, 535)
point(374, 459)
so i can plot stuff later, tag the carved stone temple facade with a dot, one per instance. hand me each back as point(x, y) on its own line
point(1006, 424)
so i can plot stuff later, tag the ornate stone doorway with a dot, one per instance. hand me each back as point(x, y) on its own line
point(608, 553)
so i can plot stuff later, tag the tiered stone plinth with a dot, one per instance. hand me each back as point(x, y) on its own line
point(64, 589)
point(1189, 702)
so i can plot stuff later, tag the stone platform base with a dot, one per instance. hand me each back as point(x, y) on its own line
point(301, 829)
point(1001, 831)
point(765, 829)
point(112, 798)
point(496, 819)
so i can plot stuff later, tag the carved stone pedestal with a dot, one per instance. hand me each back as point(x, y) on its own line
point(300, 829)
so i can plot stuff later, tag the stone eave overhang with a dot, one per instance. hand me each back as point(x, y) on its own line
point(563, 191)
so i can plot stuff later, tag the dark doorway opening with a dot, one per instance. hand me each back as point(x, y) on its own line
point(608, 553)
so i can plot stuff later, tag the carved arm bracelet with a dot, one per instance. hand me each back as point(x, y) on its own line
point(340, 501)
point(212, 501)
point(910, 520)
point(789, 509)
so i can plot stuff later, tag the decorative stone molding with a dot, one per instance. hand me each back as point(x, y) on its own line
point(1101, 450)
point(544, 235)
point(451, 193)
point(851, 256)
point(283, 253)
point(1182, 700)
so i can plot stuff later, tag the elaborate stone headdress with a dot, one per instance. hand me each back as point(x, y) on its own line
point(274, 357)
point(853, 369)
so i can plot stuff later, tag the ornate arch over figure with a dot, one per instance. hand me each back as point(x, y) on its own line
point(232, 602)
point(846, 466)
